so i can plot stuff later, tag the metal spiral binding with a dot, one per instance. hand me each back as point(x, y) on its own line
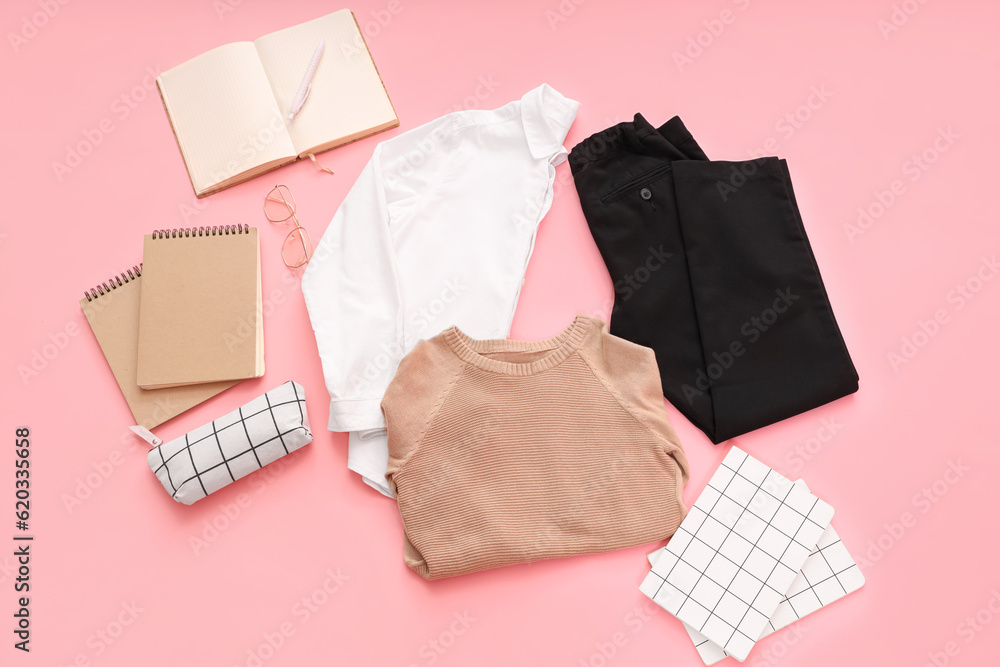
point(113, 283)
point(187, 232)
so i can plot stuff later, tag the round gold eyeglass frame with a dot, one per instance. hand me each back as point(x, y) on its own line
point(279, 207)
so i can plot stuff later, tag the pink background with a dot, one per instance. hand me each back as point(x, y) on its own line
point(882, 99)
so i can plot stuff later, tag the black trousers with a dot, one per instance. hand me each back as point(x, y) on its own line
point(713, 270)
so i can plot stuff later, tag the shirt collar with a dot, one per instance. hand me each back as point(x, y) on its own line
point(547, 116)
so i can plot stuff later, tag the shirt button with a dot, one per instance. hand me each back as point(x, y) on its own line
point(645, 193)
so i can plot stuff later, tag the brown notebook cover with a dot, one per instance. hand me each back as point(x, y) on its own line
point(199, 314)
point(112, 310)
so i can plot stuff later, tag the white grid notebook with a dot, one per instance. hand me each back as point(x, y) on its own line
point(727, 568)
point(829, 574)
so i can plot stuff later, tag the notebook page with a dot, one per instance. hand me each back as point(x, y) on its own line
point(347, 100)
point(224, 115)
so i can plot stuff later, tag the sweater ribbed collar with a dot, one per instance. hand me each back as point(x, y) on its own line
point(560, 347)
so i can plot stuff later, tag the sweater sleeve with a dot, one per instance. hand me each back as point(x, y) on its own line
point(631, 371)
point(422, 382)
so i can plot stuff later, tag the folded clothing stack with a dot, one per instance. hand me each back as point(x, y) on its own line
point(437, 231)
point(712, 269)
point(504, 452)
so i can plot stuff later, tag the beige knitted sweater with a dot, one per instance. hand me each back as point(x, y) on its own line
point(504, 452)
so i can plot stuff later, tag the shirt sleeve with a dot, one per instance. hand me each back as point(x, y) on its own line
point(352, 296)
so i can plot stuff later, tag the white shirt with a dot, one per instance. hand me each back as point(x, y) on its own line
point(437, 231)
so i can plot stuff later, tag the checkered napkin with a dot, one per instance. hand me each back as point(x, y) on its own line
point(219, 453)
point(752, 543)
point(829, 574)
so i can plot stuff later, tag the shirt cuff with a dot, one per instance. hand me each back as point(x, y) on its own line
point(356, 415)
point(370, 459)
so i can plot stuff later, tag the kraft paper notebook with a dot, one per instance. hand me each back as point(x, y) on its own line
point(229, 107)
point(199, 313)
point(112, 309)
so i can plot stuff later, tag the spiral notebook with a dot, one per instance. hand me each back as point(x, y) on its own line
point(112, 310)
point(200, 310)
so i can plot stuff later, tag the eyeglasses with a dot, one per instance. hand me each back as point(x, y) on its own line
point(279, 206)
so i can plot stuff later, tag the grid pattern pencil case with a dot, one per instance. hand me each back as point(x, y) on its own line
point(212, 456)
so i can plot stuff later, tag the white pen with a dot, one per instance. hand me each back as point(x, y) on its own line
point(300, 97)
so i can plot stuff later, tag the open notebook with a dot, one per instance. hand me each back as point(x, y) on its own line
point(229, 107)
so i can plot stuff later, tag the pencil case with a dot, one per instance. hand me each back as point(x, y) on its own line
point(217, 454)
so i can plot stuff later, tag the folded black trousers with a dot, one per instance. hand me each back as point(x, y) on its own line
point(712, 269)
